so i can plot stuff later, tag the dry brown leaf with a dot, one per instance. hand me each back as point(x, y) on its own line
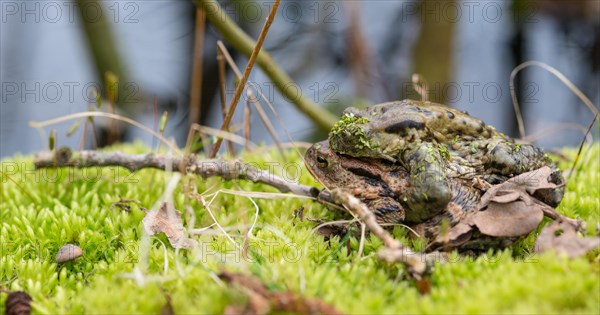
point(506, 198)
point(168, 220)
point(562, 237)
point(506, 220)
point(457, 236)
point(520, 187)
point(507, 210)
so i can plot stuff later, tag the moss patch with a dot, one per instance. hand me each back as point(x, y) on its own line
point(121, 272)
point(348, 127)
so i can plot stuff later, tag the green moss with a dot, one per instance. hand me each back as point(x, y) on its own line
point(517, 148)
point(349, 124)
point(121, 273)
point(444, 153)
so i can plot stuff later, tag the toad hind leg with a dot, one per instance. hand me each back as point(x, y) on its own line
point(386, 209)
point(509, 159)
point(430, 191)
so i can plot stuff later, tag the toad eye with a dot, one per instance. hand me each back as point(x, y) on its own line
point(321, 162)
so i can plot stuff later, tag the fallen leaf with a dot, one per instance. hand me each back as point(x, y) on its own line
point(523, 187)
point(168, 220)
point(457, 236)
point(562, 237)
point(506, 198)
point(506, 220)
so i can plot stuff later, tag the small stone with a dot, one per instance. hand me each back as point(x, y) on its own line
point(68, 252)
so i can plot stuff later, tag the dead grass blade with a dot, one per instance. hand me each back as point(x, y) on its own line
point(555, 129)
point(223, 135)
point(29, 196)
point(206, 206)
point(41, 124)
point(556, 73)
point(581, 147)
point(260, 194)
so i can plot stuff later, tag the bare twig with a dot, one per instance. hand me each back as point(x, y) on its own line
point(242, 85)
point(244, 44)
point(394, 250)
point(228, 170)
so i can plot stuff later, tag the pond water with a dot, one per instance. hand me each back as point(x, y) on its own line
point(47, 71)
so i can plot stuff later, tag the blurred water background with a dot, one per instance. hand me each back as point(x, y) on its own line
point(340, 53)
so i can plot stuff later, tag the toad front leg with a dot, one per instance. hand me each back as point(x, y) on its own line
point(430, 191)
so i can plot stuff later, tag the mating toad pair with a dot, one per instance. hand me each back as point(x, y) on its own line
point(417, 162)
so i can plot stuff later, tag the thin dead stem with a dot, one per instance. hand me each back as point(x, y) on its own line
point(265, 119)
point(361, 244)
point(229, 59)
point(222, 88)
point(197, 60)
point(261, 112)
point(247, 123)
point(242, 84)
point(206, 206)
point(236, 37)
point(420, 85)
